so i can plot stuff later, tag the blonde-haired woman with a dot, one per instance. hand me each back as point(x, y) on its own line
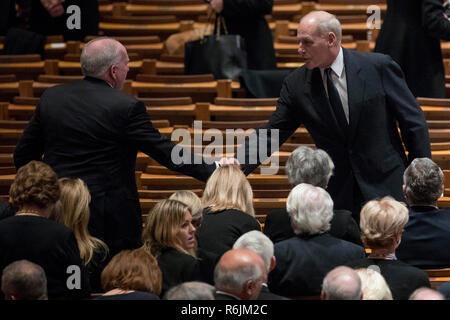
point(382, 222)
point(170, 236)
point(74, 214)
point(229, 212)
point(194, 203)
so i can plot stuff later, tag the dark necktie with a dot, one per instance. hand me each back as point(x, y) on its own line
point(335, 101)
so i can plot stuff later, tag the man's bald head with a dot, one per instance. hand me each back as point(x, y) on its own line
point(240, 272)
point(99, 55)
point(426, 294)
point(341, 283)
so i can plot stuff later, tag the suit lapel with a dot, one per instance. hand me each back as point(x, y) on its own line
point(355, 91)
point(320, 101)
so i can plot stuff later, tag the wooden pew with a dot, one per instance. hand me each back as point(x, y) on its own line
point(202, 88)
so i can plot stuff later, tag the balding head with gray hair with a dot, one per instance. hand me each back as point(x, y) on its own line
point(341, 283)
point(98, 55)
point(423, 181)
point(310, 209)
point(240, 272)
point(307, 165)
point(258, 242)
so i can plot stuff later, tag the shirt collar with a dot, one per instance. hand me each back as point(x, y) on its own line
point(338, 64)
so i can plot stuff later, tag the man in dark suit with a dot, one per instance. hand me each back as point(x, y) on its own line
point(315, 167)
point(427, 234)
point(262, 245)
point(351, 114)
point(305, 259)
point(90, 130)
point(239, 275)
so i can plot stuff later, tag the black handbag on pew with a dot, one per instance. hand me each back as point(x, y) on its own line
point(223, 55)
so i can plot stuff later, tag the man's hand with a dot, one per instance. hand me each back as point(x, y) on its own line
point(230, 161)
point(217, 5)
point(53, 7)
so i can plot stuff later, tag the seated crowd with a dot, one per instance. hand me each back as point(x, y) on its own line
point(215, 248)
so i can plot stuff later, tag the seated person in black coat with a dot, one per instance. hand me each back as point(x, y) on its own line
point(170, 236)
point(315, 167)
point(74, 214)
point(239, 275)
point(31, 235)
point(229, 212)
point(24, 280)
point(341, 283)
point(305, 259)
point(262, 245)
point(427, 234)
point(382, 223)
point(131, 275)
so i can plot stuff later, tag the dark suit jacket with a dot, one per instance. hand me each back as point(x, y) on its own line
point(411, 34)
point(88, 130)
point(277, 226)
point(303, 262)
point(265, 294)
point(371, 153)
point(401, 278)
point(246, 18)
point(426, 238)
point(48, 244)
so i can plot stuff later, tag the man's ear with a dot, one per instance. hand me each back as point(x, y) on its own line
point(248, 289)
point(273, 263)
point(331, 39)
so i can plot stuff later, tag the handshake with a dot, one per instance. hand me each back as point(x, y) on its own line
point(53, 7)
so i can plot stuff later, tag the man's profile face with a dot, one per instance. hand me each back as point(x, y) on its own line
point(312, 47)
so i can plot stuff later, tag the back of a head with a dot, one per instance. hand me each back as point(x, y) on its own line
point(75, 199)
point(193, 290)
point(374, 286)
point(257, 242)
point(133, 270)
point(228, 188)
point(98, 55)
point(423, 181)
point(24, 280)
point(311, 166)
point(35, 184)
point(382, 222)
point(426, 294)
point(238, 269)
point(325, 23)
point(310, 209)
point(342, 283)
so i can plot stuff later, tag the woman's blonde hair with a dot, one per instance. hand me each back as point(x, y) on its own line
point(163, 223)
point(74, 214)
point(228, 188)
point(132, 270)
point(373, 285)
point(190, 199)
point(382, 221)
